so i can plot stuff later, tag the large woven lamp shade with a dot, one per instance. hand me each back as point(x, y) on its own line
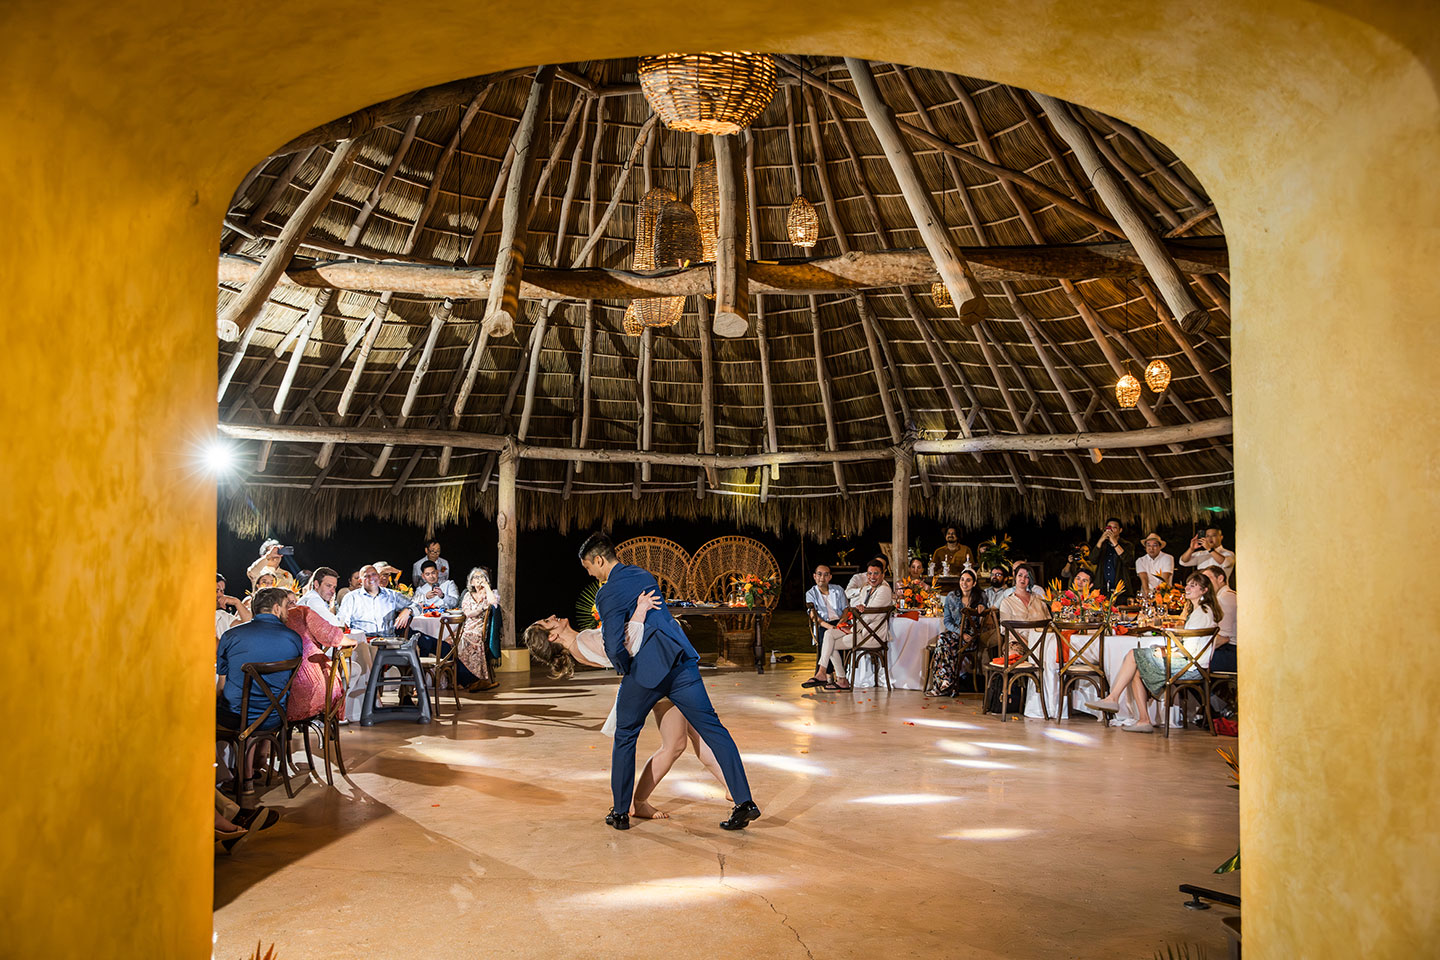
point(716, 93)
point(941, 295)
point(803, 223)
point(651, 226)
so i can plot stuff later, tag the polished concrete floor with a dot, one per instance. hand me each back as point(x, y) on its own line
point(894, 826)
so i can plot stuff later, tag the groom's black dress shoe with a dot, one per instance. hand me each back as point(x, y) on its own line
point(621, 821)
point(741, 815)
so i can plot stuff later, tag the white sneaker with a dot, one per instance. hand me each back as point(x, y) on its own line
point(1140, 728)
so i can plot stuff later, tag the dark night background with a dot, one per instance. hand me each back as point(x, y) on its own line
point(550, 577)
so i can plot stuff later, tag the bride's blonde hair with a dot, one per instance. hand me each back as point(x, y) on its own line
point(557, 660)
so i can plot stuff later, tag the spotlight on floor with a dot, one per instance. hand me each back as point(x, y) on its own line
point(670, 892)
point(944, 724)
point(811, 728)
point(786, 707)
point(960, 747)
point(988, 833)
point(905, 799)
point(992, 745)
point(981, 764)
point(776, 761)
point(1072, 736)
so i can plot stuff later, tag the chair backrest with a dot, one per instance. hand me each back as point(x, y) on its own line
point(452, 632)
point(1174, 643)
point(1032, 650)
point(718, 561)
point(255, 674)
point(666, 560)
point(867, 626)
point(1094, 638)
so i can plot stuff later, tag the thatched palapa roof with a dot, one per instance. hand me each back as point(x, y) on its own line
point(429, 187)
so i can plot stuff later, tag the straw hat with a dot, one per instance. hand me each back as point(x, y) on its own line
point(1155, 537)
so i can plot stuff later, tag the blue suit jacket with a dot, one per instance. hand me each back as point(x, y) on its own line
point(665, 642)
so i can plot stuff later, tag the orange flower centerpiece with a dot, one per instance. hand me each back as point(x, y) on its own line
point(749, 590)
point(1070, 604)
point(913, 594)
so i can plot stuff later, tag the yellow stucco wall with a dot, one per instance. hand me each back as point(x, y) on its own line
point(125, 131)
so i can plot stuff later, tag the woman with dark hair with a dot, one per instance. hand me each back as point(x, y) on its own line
point(1143, 670)
point(559, 646)
point(961, 636)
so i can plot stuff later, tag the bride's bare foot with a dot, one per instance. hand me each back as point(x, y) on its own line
point(645, 811)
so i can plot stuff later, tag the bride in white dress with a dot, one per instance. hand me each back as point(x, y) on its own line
point(558, 645)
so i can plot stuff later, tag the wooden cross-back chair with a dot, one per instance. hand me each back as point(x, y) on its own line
point(1029, 666)
point(665, 559)
point(242, 738)
point(1178, 681)
point(326, 723)
point(976, 620)
point(871, 634)
point(1085, 662)
point(446, 662)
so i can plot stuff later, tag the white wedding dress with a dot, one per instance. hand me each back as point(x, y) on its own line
point(591, 646)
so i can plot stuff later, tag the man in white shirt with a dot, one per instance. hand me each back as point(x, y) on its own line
point(374, 609)
point(829, 602)
point(321, 595)
point(1207, 551)
point(432, 553)
point(874, 595)
point(433, 593)
point(1154, 568)
point(1223, 659)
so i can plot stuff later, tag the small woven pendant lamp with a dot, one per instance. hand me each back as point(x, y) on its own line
point(941, 295)
point(803, 223)
point(1157, 375)
point(1127, 391)
point(717, 93)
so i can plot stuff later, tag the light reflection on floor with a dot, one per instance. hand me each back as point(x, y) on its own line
point(669, 892)
point(981, 764)
point(811, 728)
point(776, 761)
point(1071, 736)
point(905, 799)
point(988, 833)
point(947, 724)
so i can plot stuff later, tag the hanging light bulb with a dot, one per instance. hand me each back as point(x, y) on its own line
point(1127, 391)
point(1157, 375)
point(941, 295)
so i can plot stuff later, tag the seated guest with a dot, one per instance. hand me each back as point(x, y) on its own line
point(1078, 559)
point(960, 639)
point(1111, 555)
point(998, 587)
point(874, 595)
point(320, 597)
point(915, 575)
point(318, 635)
point(263, 639)
point(1143, 671)
point(1155, 569)
point(434, 593)
point(952, 551)
point(269, 562)
point(829, 602)
point(389, 574)
point(1207, 550)
point(1081, 583)
point(374, 609)
point(228, 610)
point(354, 585)
point(432, 555)
point(265, 581)
point(1024, 602)
point(1223, 658)
point(861, 580)
point(475, 635)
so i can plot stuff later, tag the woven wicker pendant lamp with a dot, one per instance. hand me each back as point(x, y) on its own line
point(677, 235)
point(1157, 375)
point(1127, 391)
point(716, 93)
point(654, 231)
point(705, 200)
point(941, 295)
point(803, 223)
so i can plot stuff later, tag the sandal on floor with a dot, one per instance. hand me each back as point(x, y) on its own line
point(832, 685)
point(812, 682)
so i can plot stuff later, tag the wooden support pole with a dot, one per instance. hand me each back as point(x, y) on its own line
point(255, 219)
point(532, 376)
point(587, 350)
point(900, 508)
point(503, 305)
point(707, 386)
point(988, 353)
point(506, 527)
point(732, 288)
point(762, 338)
point(647, 402)
point(312, 317)
point(1173, 286)
point(248, 307)
point(954, 273)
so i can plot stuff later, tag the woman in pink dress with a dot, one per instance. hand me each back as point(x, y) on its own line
point(317, 638)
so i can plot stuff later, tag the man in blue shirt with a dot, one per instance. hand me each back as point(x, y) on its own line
point(262, 639)
point(829, 602)
point(375, 609)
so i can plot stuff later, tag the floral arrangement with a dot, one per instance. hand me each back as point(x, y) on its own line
point(1077, 605)
point(1233, 863)
point(994, 551)
point(749, 590)
point(404, 589)
point(1171, 598)
point(587, 614)
point(913, 594)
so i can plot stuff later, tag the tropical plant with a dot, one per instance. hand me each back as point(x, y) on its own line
point(994, 551)
point(587, 615)
point(1230, 759)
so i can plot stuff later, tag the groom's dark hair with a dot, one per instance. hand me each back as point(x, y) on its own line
point(598, 544)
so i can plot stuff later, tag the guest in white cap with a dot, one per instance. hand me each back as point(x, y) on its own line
point(1155, 568)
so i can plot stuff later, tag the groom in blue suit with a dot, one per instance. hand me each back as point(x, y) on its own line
point(665, 666)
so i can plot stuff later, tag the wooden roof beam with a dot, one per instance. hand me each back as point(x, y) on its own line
point(732, 287)
point(954, 272)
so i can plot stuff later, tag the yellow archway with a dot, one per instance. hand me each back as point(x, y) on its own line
point(127, 127)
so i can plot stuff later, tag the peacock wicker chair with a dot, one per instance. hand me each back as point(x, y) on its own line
point(711, 570)
point(666, 560)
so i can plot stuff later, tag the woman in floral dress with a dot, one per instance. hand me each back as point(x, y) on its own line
point(317, 636)
point(961, 638)
point(478, 600)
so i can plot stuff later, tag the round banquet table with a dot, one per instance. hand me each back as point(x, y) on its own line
point(1116, 647)
point(909, 648)
point(430, 626)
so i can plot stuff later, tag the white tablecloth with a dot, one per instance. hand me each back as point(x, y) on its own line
point(909, 640)
point(1115, 649)
point(430, 626)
